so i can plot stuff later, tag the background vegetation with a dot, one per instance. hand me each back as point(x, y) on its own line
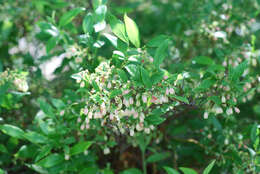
point(130, 87)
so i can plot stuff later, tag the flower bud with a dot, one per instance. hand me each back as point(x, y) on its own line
point(131, 100)
point(85, 111)
point(171, 91)
point(229, 111)
point(206, 115)
point(237, 110)
point(106, 151)
point(67, 157)
point(82, 84)
point(147, 130)
point(223, 99)
point(62, 112)
point(144, 98)
point(132, 132)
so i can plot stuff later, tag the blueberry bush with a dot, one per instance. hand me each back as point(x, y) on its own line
point(129, 87)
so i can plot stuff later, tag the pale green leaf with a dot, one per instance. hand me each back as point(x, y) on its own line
point(161, 53)
point(132, 31)
point(80, 147)
point(118, 28)
point(209, 167)
point(51, 160)
point(170, 170)
point(188, 170)
point(158, 157)
point(12, 131)
point(69, 16)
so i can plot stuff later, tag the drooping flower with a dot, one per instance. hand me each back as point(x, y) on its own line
point(237, 110)
point(106, 151)
point(85, 111)
point(206, 115)
point(144, 98)
point(229, 111)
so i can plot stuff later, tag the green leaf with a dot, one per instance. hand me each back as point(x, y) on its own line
point(100, 26)
point(206, 84)
point(132, 31)
point(69, 16)
point(115, 93)
point(133, 70)
point(3, 149)
point(88, 23)
point(203, 60)
point(157, 41)
point(12, 131)
point(46, 108)
point(97, 3)
point(26, 151)
point(52, 42)
point(1, 66)
point(100, 13)
point(35, 137)
point(122, 75)
point(161, 53)
point(146, 78)
point(131, 171)
point(157, 77)
point(253, 132)
point(1, 171)
point(215, 99)
point(80, 147)
point(209, 167)
point(170, 170)
point(118, 28)
point(89, 170)
point(37, 168)
point(158, 157)
point(188, 170)
point(95, 85)
point(182, 99)
point(155, 119)
point(51, 160)
point(108, 171)
point(59, 104)
point(237, 72)
point(44, 151)
point(112, 39)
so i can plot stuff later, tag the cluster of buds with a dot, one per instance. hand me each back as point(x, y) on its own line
point(118, 104)
point(18, 79)
point(75, 52)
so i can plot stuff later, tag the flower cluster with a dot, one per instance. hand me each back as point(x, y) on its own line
point(120, 105)
point(17, 79)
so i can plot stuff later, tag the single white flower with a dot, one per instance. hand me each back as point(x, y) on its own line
point(144, 98)
point(132, 132)
point(206, 115)
point(67, 157)
point(85, 111)
point(171, 91)
point(223, 99)
point(82, 127)
point(106, 151)
point(229, 111)
point(147, 130)
point(237, 110)
point(62, 112)
point(109, 85)
point(131, 100)
point(218, 110)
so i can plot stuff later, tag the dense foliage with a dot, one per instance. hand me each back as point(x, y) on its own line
point(129, 87)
